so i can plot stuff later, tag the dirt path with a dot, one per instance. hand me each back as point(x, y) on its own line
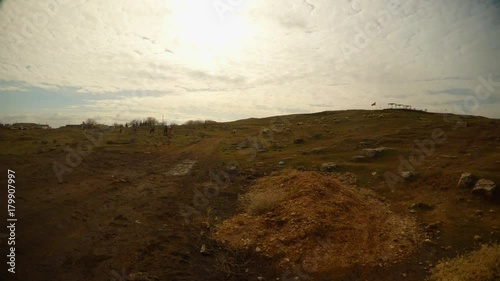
point(117, 217)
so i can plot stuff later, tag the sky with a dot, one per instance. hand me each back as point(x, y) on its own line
point(62, 61)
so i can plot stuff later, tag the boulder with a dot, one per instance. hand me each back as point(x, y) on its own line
point(467, 180)
point(485, 188)
point(328, 167)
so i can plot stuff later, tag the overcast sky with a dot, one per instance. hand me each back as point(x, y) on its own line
point(116, 60)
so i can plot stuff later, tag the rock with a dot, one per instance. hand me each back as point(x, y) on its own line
point(429, 241)
point(407, 176)
point(479, 213)
point(373, 152)
point(421, 206)
point(298, 140)
point(467, 180)
point(328, 167)
point(203, 249)
point(484, 188)
point(260, 278)
point(434, 225)
point(358, 158)
point(477, 238)
point(258, 250)
point(232, 170)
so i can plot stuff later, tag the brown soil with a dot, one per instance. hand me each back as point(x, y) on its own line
point(322, 225)
point(139, 208)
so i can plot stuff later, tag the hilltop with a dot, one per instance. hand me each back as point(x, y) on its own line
point(211, 202)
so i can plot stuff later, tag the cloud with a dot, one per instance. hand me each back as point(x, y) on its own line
point(11, 89)
point(261, 58)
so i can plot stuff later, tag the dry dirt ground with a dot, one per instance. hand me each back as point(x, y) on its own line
point(138, 208)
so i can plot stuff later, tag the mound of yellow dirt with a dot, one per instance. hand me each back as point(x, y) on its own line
point(311, 219)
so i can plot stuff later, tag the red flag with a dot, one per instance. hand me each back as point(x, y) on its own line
point(375, 103)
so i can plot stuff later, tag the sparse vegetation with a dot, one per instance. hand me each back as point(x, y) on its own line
point(89, 123)
point(149, 121)
point(284, 217)
point(194, 122)
point(479, 265)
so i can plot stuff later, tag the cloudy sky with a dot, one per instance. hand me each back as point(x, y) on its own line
point(62, 61)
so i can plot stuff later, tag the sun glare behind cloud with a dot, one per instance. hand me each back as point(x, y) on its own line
point(207, 38)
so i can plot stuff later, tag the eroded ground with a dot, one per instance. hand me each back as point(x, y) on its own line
point(138, 208)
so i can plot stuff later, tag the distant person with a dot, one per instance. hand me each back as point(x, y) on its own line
point(165, 131)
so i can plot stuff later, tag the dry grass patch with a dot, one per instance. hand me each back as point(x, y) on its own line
point(479, 265)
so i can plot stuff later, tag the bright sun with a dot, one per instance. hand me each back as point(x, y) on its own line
point(208, 36)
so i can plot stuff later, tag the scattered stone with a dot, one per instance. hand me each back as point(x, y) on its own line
point(477, 238)
point(373, 152)
point(479, 213)
point(203, 249)
point(298, 140)
point(358, 158)
point(260, 278)
point(434, 225)
point(484, 188)
point(421, 206)
point(408, 176)
point(429, 241)
point(258, 250)
point(467, 180)
point(328, 167)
